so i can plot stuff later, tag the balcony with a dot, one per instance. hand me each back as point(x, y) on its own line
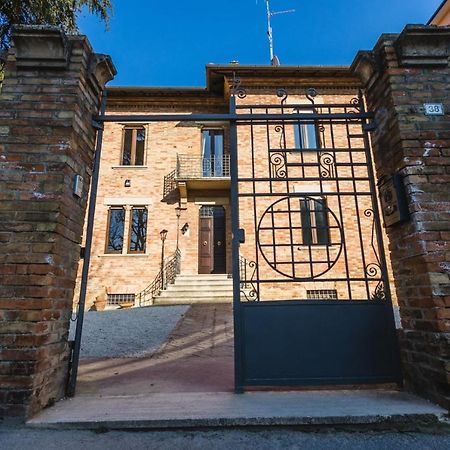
point(199, 168)
point(196, 173)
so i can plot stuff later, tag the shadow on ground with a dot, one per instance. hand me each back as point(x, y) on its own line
point(197, 356)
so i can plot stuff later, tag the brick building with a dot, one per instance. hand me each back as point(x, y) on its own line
point(175, 176)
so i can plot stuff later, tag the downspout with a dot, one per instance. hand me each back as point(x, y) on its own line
point(75, 359)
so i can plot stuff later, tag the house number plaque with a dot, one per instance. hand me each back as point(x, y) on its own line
point(434, 109)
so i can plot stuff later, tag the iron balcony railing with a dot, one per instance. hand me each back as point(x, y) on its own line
point(165, 276)
point(170, 184)
point(195, 167)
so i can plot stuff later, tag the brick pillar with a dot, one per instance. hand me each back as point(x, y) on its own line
point(52, 87)
point(401, 74)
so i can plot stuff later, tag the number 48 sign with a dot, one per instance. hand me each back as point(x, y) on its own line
point(434, 109)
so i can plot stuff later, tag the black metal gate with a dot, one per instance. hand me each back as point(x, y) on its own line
point(311, 294)
point(312, 304)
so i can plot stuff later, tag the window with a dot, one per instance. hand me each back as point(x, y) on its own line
point(305, 134)
point(138, 230)
point(322, 294)
point(116, 226)
point(314, 220)
point(136, 225)
point(212, 152)
point(133, 146)
point(119, 299)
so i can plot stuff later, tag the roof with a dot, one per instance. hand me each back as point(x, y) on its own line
point(254, 75)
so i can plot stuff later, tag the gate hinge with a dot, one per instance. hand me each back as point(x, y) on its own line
point(96, 124)
point(370, 126)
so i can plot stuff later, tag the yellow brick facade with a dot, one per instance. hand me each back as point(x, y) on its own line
point(130, 273)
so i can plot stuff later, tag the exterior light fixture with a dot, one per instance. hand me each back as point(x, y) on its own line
point(185, 228)
point(163, 235)
point(127, 183)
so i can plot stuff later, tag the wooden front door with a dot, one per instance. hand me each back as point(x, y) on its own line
point(219, 241)
point(211, 240)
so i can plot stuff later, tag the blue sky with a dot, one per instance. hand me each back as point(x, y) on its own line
point(168, 43)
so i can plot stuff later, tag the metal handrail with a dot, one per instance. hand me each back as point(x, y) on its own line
point(165, 276)
point(189, 167)
point(170, 183)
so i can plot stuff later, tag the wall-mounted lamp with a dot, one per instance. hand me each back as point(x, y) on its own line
point(127, 183)
point(185, 228)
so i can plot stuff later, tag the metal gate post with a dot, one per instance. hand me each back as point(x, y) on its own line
point(237, 317)
point(73, 368)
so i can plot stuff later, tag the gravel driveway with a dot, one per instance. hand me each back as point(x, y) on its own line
point(128, 333)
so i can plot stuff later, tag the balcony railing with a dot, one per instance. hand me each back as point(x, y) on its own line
point(170, 184)
point(195, 167)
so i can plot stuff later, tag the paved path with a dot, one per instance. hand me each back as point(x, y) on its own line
point(197, 356)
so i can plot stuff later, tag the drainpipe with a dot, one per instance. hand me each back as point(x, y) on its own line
point(73, 370)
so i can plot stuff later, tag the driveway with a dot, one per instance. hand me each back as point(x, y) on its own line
point(147, 357)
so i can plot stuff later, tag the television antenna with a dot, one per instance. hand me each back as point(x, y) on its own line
point(274, 61)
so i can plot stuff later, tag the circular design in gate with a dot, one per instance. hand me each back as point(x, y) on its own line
point(300, 237)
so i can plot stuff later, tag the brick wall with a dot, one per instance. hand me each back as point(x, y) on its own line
point(51, 89)
point(164, 140)
point(401, 74)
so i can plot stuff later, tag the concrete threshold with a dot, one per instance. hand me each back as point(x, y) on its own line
point(371, 408)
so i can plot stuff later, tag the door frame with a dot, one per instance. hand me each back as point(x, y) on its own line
point(212, 238)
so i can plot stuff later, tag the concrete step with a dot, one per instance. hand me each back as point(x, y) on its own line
point(199, 294)
point(193, 282)
point(198, 287)
point(204, 288)
point(191, 300)
point(367, 409)
point(204, 275)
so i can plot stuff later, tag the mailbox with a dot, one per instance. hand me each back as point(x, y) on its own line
point(393, 201)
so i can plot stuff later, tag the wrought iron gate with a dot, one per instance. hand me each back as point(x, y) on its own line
point(311, 293)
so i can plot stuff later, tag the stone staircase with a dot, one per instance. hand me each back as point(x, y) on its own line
point(188, 289)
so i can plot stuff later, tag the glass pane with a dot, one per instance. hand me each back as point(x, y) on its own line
point(218, 153)
point(116, 229)
point(140, 144)
point(138, 232)
point(310, 136)
point(305, 213)
point(206, 153)
point(321, 223)
point(126, 151)
point(298, 136)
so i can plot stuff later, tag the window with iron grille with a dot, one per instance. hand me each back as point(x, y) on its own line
point(118, 299)
point(133, 149)
point(322, 294)
point(314, 220)
point(306, 134)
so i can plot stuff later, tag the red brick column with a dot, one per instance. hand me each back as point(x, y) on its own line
point(52, 88)
point(401, 74)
